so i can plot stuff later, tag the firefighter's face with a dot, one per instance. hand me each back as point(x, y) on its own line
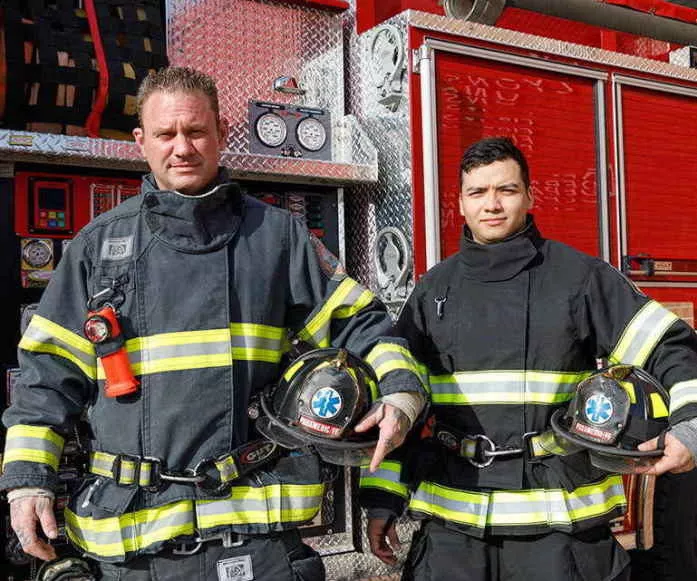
point(180, 139)
point(494, 201)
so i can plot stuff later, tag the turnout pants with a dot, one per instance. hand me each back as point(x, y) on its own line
point(281, 557)
point(439, 553)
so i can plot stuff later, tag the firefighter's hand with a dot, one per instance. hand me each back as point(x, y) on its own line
point(380, 531)
point(676, 457)
point(25, 514)
point(394, 425)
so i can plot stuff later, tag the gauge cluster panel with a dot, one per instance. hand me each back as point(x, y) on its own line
point(289, 131)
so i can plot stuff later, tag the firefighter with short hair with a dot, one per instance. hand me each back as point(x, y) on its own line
point(166, 317)
point(507, 328)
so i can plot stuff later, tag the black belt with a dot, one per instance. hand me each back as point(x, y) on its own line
point(210, 474)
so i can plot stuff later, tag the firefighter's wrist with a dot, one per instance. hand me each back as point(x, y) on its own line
point(686, 433)
point(410, 403)
point(24, 492)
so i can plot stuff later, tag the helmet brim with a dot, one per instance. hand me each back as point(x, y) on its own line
point(604, 449)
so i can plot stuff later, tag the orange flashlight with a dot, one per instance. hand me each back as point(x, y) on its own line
point(103, 330)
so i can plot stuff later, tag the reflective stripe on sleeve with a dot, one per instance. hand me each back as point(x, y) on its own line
point(44, 336)
point(386, 477)
point(347, 300)
point(683, 393)
point(642, 334)
point(504, 387)
point(556, 508)
point(386, 357)
point(38, 444)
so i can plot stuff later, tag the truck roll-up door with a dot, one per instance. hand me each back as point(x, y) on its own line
point(657, 149)
point(555, 115)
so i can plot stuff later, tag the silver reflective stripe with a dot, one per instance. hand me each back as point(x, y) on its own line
point(30, 443)
point(45, 336)
point(555, 508)
point(117, 536)
point(275, 505)
point(253, 342)
point(683, 393)
point(465, 507)
point(176, 351)
point(386, 477)
point(504, 387)
point(642, 334)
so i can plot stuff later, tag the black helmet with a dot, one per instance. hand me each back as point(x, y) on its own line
point(612, 412)
point(318, 401)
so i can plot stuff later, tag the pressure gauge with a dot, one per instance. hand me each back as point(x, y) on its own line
point(311, 134)
point(37, 253)
point(271, 129)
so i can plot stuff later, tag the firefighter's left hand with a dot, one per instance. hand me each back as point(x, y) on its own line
point(676, 457)
point(393, 424)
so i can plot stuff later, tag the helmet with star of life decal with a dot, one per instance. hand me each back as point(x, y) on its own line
point(317, 402)
point(612, 412)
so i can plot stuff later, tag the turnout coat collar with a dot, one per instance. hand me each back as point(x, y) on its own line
point(500, 260)
point(194, 224)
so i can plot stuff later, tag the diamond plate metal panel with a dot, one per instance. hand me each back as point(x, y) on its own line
point(245, 45)
point(371, 208)
point(512, 38)
point(69, 150)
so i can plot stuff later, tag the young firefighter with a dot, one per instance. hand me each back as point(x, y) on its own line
point(205, 284)
point(507, 327)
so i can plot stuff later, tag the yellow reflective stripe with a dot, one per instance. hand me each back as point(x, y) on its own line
point(386, 477)
point(175, 364)
point(139, 530)
point(134, 531)
point(292, 370)
point(504, 387)
point(431, 498)
point(178, 351)
point(227, 468)
point(316, 331)
point(386, 357)
point(63, 334)
point(38, 444)
point(275, 503)
point(178, 338)
point(658, 406)
point(44, 336)
point(642, 334)
point(683, 393)
point(185, 350)
point(362, 301)
point(553, 507)
point(262, 342)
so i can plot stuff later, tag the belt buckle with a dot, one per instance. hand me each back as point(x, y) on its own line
point(204, 481)
point(228, 538)
point(185, 549)
point(117, 468)
point(156, 469)
point(526, 443)
point(481, 459)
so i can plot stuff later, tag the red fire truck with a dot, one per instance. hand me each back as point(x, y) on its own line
point(353, 115)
